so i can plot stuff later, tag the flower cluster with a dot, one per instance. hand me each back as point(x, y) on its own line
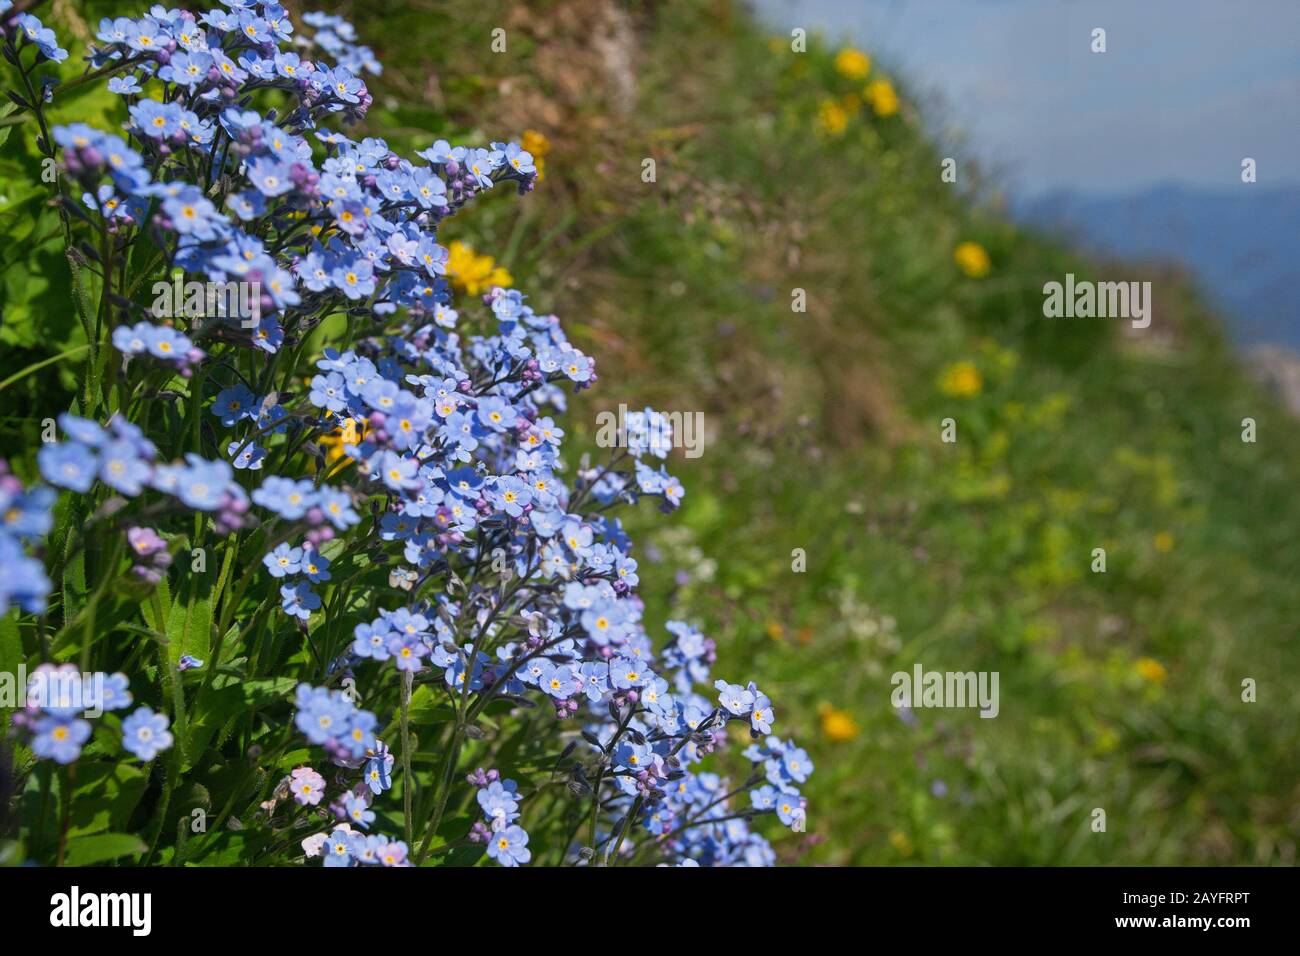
point(329, 719)
point(123, 458)
point(152, 559)
point(852, 67)
point(59, 698)
point(24, 517)
point(434, 419)
point(28, 31)
point(344, 846)
point(506, 841)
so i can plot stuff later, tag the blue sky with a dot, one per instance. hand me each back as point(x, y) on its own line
point(1185, 90)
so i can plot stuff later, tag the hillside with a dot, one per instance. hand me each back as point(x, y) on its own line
point(786, 179)
point(1121, 690)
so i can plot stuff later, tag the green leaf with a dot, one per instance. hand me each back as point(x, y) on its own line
point(105, 796)
point(163, 591)
point(459, 857)
point(229, 696)
point(11, 658)
point(189, 624)
point(213, 708)
point(259, 693)
point(5, 110)
point(85, 851)
point(295, 757)
point(11, 644)
point(428, 707)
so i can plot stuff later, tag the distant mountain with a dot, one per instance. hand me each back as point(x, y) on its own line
point(1243, 244)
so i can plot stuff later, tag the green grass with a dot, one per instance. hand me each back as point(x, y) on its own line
point(825, 435)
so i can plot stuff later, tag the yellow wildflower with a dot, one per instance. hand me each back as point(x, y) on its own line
point(1106, 741)
point(852, 64)
point(972, 259)
point(880, 94)
point(1151, 669)
point(961, 380)
point(1164, 541)
point(471, 273)
point(832, 117)
point(332, 442)
point(838, 726)
point(901, 843)
point(775, 630)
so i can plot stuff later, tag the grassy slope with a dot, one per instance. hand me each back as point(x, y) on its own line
point(825, 433)
point(825, 436)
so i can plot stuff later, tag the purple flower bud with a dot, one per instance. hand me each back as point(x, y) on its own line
point(145, 541)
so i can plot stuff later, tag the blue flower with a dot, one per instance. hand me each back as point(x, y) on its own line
point(154, 119)
point(113, 692)
point(299, 600)
point(520, 160)
point(377, 772)
point(509, 847)
point(60, 738)
point(203, 484)
point(359, 738)
point(511, 495)
point(247, 456)
point(736, 699)
point(124, 85)
point(479, 164)
point(288, 498)
point(634, 757)
point(761, 716)
point(407, 651)
point(595, 680)
point(186, 69)
point(329, 391)
point(270, 178)
point(315, 566)
point(397, 472)
point(338, 849)
point(283, 561)
point(83, 430)
point(120, 468)
point(24, 581)
point(797, 763)
point(371, 640)
point(132, 339)
point(26, 514)
point(499, 802)
point(358, 811)
point(496, 413)
point(68, 465)
point(321, 715)
point(626, 673)
point(43, 37)
point(247, 205)
point(790, 811)
point(145, 733)
point(234, 404)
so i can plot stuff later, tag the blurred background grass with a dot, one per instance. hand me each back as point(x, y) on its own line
point(778, 171)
